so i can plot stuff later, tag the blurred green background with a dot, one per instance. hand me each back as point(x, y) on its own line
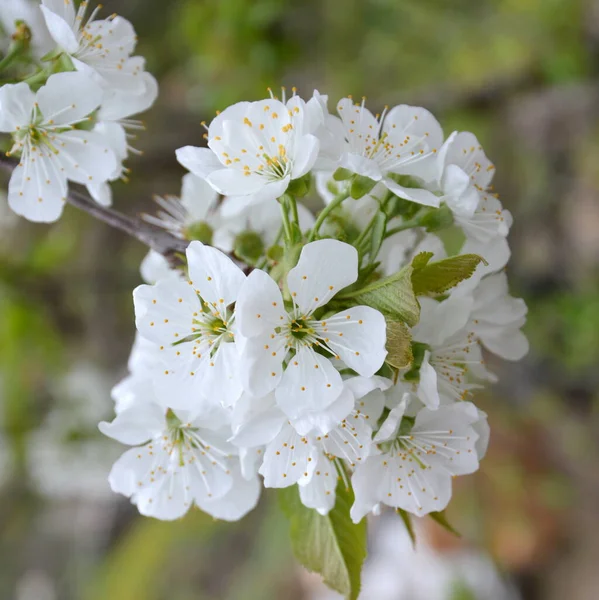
point(524, 76)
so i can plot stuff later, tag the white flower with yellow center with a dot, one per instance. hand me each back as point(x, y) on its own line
point(383, 146)
point(287, 347)
point(192, 324)
point(179, 461)
point(51, 150)
point(417, 459)
point(101, 49)
point(257, 148)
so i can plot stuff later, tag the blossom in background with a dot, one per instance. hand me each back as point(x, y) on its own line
point(257, 148)
point(99, 48)
point(29, 12)
point(274, 334)
point(51, 151)
point(192, 324)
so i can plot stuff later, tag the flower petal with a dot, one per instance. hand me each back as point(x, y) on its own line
point(214, 276)
point(358, 336)
point(16, 106)
point(324, 268)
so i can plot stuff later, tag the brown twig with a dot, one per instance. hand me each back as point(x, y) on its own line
point(163, 242)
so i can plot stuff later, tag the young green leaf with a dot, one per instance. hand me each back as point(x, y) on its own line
point(421, 260)
point(438, 277)
point(330, 545)
point(399, 345)
point(392, 295)
point(441, 518)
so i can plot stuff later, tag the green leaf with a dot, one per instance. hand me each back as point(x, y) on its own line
point(360, 186)
point(441, 518)
point(342, 174)
point(406, 517)
point(392, 295)
point(330, 545)
point(421, 260)
point(378, 235)
point(399, 345)
point(440, 276)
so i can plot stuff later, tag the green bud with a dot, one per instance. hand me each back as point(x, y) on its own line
point(275, 253)
point(200, 231)
point(342, 174)
point(248, 246)
point(438, 219)
point(360, 186)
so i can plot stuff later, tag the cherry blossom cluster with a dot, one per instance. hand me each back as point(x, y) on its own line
point(269, 359)
point(328, 325)
point(69, 122)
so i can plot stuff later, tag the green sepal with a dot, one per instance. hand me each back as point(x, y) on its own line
point(342, 174)
point(406, 517)
point(440, 518)
point(331, 545)
point(438, 277)
point(360, 186)
point(377, 235)
point(438, 219)
point(299, 187)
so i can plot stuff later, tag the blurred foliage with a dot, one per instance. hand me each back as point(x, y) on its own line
point(496, 67)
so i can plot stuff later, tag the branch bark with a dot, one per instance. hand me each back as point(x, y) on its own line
point(157, 239)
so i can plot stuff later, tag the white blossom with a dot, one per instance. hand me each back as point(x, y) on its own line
point(257, 148)
point(192, 324)
point(99, 48)
point(279, 349)
point(414, 467)
point(51, 150)
point(178, 461)
point(383, 146)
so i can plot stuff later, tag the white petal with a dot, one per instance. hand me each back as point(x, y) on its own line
point(16, 106)
point(135, 425)
point(259, 305)
point(85, 156)
point(415, 121)
point(288, 458)
point(305, 156)
point(262, 363)
point(309, 383)
point(198, 197)
point(319, 491)
point(68, 98)
point(256, 421)
point(237, 502)
point(358, 336)
point(324, 268)
point(159, 316)
point(60, 30)
point(29, 193)
point(323, 420)
point(428, 391)
point(233, 182)
point(200, 161)
point(417, 195)
point(390, 426)
point(101, 193)
point(214, 276)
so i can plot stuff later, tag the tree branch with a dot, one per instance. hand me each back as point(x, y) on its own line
point(157, 239)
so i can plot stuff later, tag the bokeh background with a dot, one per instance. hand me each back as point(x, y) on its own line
point(524, 76)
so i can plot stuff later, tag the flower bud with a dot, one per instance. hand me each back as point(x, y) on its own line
point(248, 246)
